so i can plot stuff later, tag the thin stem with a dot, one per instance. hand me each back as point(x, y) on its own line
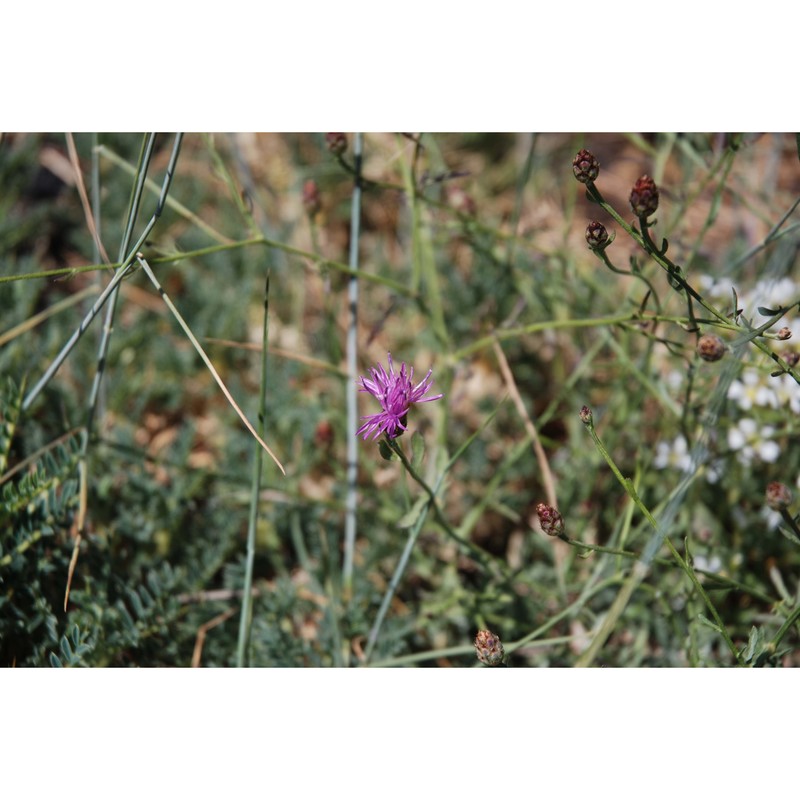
point(784, 629)
point(530, 428)
point(790, 521)
point(246, 619)
point(206, 360)
point(413, 535)
point(477, 553)
point(123, 269)
point(352, 369)
point(641, 567)
point(644, 240)
point(417, 526)
point(174, 258)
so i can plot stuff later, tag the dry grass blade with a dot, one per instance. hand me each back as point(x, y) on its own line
point(207, 361)
point(87, 208)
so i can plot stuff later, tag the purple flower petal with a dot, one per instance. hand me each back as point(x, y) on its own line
point(396, 393)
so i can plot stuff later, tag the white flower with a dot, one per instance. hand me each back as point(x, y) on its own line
point(716, 288)
point(715, 470)
point(675, 455)
point(750, 443)
point(772, 519)
point(752, 390)
point(707, 564)
point(774, 294)
point(787, 390)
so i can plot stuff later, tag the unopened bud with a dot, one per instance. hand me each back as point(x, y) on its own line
point(550, 519)
point(586, 167)
point(323, 435)
point(337, 143)
point(311, 199)
point(586, 415)
point(779, 496)
point(644, 197)
point(710, 347)
point(489, 648)
point(785, 333)
point(596, 235)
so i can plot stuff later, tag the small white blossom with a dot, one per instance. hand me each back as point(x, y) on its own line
point(752, 390)
point(774, 294)
point(750, 442)
point(674, 455)
point(787, 390)
point(707, 564)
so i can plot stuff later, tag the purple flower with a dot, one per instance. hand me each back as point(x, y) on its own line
point(396, 394)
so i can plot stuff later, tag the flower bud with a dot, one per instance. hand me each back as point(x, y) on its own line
point(784, 334)
point(596, 235)
point(323, 434)
point(551, 521)
point(586, 167)
point(644, 197)
point(489, 648)
point(337, 143)
point(710, 347)
point(586, 415)
point(311, 200)
point(461, 201)
point(779, 496)
point(791, 357)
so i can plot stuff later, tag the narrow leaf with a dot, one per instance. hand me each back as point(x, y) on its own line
point(417, 450)
point(409, 519)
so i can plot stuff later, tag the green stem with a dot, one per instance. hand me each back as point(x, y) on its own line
point(790, 521)
point(246, 620)
point(477, 553)
point(641, 567)
point(644, 240)
point(784, 629)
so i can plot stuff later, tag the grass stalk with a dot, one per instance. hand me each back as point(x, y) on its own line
point(206, 360)
point(352, 369)
point(641, 567)
point(246, 620)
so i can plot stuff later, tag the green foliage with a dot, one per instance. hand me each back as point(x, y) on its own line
point(468, 243)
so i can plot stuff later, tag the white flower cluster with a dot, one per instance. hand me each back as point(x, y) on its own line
point(755, 392)
point(767, 293)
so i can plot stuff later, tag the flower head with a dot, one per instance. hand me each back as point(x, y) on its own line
point(644, 197)
point(551, 520)
point(710, 347)
point(396, 393)
point(337, 143)
point(489, 648)
point(779, 496)
point(585, 167)
point(597, 235)
point(750, 442)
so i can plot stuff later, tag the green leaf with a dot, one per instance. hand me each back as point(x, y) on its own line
point(708, 623)
point(790, 535)
point(55, 661)
point(385, 450)
point(409, 519)
point(417, 450)
point(136, 602)
point(66, 650)
point(755, 645)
